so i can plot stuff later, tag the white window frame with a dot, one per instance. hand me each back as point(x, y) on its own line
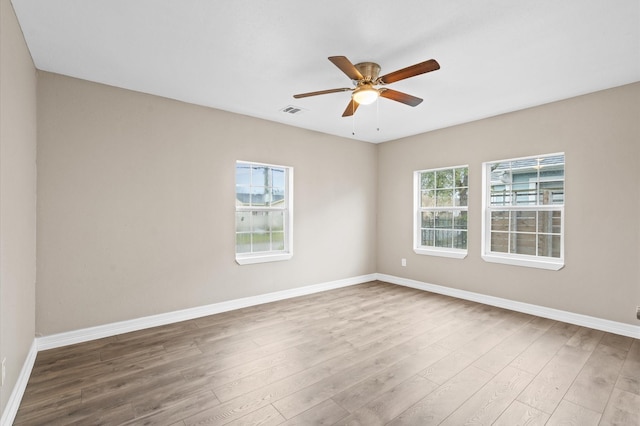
point(531, 261)
point(418, 209)
point(287, 209)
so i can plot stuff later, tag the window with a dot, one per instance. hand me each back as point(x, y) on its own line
point(440, 213)
point(523, 211)
point(263, 212)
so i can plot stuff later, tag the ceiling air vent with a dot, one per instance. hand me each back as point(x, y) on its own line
point(293, 110)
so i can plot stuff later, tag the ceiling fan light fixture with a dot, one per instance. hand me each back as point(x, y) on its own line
point(365, 94)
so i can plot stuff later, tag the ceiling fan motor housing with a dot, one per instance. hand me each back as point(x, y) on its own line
point(369, 71)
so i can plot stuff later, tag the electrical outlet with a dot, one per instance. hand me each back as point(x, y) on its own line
point(404, 262)
point(4, 369)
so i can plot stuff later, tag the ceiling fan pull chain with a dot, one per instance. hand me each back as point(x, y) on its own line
point(378, 114)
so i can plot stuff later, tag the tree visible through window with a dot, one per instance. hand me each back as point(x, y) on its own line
point(263, 212)
point(440, 224)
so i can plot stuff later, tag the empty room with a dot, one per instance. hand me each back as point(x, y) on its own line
point(291, 213)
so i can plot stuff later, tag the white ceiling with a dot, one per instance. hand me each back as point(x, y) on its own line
point(251, 56)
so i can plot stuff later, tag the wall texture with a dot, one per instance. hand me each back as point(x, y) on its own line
point(17, 198)
point(136, 205)
point(600, 135)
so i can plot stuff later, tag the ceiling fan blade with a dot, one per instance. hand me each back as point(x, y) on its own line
point(413, 70)
point(404, 98)
point(346, 67)
point(321, 92)
point(351, 108)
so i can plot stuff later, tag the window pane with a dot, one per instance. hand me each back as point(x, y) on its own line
point(260, 221)
point(444, 197)
point(444, 220)
point(552, 173)
point(524, 193)
point(243, 182)
point(549, 222)
point(549, 245)
point(261, 241)
point(554, 162)
point(243, 221)
point(500, 221)
point(276, 221)
point(243, 174)
point(523, 221)
point(279, 178)
point(523, 244)
point(259, 175)
point(460, 220)
point(500, 173)
point(427, 220)
point(444, 178)
point(460, 197)
point(462, 177)
point(243, 243)
point(500, 242)
point(259, 196)
point(524, 169)
point(460, 239)
point(500, 195)
point(428, 199)
point(278, 187)
point(277, 197)
point(427, 180)
point(277, 241)
point(428, 236)
point(443, 238)
point(551, 193)
point(243, 196)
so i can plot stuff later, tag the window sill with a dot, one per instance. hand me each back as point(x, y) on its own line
point(551, 265)
point(262, 258)
point(442, 252)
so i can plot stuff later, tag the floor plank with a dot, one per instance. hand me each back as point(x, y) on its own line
point(369, 354)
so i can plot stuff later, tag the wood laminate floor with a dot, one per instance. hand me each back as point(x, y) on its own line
point(371, 354)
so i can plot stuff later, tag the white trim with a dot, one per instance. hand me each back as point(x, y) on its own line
point(11, 409)
point(534, 262)
point(262, 258)
point(107, 330)
point(442, 252)
point(615, 327)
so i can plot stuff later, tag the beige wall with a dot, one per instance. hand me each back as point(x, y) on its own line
point(600, 135)
point(136, 205)
point(17, 198)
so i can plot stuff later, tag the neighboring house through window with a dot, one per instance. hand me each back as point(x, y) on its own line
point(440, 211)
point(523, 211)
point(263, 212)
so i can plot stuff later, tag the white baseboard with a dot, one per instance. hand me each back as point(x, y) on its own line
point(92, 333)
point(11, 409)
point(541, 311)
point(107, 330)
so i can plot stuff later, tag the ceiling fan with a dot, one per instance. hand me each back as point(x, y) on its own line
point(365, 78)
